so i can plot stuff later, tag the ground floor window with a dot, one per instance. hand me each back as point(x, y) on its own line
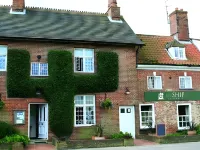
point(184, 116)
point(147, 117)
point(84, 110)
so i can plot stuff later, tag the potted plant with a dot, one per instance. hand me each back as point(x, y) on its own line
point(192, 128)
point(128, 139)
point(106, 104)
point(98, 133)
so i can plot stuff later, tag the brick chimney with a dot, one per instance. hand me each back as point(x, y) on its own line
point(113, 10)
point(18, 5)
point(179, 25)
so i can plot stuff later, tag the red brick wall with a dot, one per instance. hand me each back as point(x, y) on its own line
point(166, 111)
point(127, 78)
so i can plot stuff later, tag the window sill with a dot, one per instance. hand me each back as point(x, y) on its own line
point(38, 76)
point(186, 89)
point(89, 125)
point(155, 89)
point(81, 72)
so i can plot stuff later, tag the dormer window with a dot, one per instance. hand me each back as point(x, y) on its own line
point(176, 50)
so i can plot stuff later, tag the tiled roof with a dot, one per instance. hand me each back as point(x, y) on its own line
point(64, 25)
point(154, 51)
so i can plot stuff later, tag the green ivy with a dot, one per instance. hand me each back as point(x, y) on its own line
point(62, 84)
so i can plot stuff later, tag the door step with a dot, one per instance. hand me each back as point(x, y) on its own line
point(38, 141)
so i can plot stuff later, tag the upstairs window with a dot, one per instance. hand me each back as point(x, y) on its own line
point(154, 82)
point(39, 69)
point(177, 53)
point(3, 58)
point(185, 82)
point(84, 60)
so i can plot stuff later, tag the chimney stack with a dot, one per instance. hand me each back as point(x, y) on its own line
point(113, 10)
point(179, 25)
point(18, 5)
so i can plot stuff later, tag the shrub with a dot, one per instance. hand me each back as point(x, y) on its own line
point(106, 104)
point(7, 129)
point(1, 104)
point(15, 138)
point(121, 135)
point(198, 129)
point(178, 133)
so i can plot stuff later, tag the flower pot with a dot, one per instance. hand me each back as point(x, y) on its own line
point(192, 132)
point(98, 138)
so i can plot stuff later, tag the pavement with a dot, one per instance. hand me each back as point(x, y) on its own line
point(40, 147)
point(180, 146)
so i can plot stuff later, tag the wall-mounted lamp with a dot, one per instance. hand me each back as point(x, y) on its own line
point(127, 92)
point(38, 92)
point(39, 57)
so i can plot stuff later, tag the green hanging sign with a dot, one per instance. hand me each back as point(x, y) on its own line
point(172, 96)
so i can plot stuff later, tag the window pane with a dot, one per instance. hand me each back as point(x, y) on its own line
point(181, 53)
point(78, 53)
point(79, 115)
point(89, 100)
point(90, 115)
point(79, 100)
point(78, 64)
point(122, 110)
point(188, 82)
point(3, 62)
point(182, 82)
point(35, 68)
point(146, 108)
point(176, 51)
point(89, 64)
point(151, 82)
point(89, 53)
point(44, 69)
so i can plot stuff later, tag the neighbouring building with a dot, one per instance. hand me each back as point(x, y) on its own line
point(168, 72)
point(33, 46)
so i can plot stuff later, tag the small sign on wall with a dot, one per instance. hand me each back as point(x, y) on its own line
point(19, 117)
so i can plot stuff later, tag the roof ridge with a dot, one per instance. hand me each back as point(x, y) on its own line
point(155, 35)
point(62, 10)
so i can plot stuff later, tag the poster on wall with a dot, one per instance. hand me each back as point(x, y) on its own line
point(19, 117)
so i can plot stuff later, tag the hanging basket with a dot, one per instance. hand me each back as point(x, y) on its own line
point(106, 104)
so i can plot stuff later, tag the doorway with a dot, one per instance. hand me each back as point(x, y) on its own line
point(38, 121)
point(127, 119)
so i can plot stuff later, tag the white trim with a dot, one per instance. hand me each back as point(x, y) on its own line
point(190, 114)
point(84, 105)
point(29, 118)
point(153, 116)
point(185, 82)
point(19, 13)
point(39, 70)
point(160, 78)
point(6, 55)
point(84, 60)
point(167, 67)
point(114, 21)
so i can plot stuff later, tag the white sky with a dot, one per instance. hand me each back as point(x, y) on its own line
point(144, 16)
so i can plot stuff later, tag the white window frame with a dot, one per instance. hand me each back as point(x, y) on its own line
point(185, 82)
point(4, 54)
point(84, 49)
point(153, 116)
point(39, 69)
point(172, 52)
point(84, 110)
point(190, 116)
point(156, 88)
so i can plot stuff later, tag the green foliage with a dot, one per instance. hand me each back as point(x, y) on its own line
point(15, 138)
point(197, 129)
point(106, 103)
point(99, 130)
point(178, 133)
point(192, 126)
point(7, 129)
point(121, 135)
point(1, 104)
point(62, 84)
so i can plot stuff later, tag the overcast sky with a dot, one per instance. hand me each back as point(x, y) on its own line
point(144, 16)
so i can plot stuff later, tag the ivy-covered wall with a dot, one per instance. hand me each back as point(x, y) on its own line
point(62, 83)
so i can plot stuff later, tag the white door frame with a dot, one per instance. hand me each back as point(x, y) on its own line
point(37, 118)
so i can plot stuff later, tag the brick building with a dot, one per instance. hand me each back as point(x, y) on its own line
point(39, 30)
point(168, 77)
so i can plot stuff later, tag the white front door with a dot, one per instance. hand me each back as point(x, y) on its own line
point(127, 119)
point(43, 121)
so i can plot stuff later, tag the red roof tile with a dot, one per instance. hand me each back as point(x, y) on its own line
point(154, 51)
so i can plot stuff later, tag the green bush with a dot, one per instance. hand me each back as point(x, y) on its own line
point(15, 138)
point(178, 133)
point(121, 135)
point(7, 129)
point(198, 129)
point(62, 84)
point(1, 104)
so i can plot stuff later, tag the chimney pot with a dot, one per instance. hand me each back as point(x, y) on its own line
point(18, 5)
point(176, 8)
point(113, 10)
